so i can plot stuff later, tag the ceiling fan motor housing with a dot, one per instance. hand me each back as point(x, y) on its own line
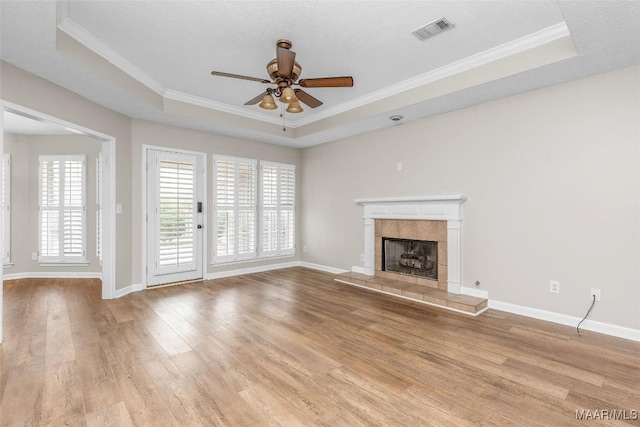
point(272, 70)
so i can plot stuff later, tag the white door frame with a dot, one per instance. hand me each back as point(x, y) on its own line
point(143, 225)
point(108, 193)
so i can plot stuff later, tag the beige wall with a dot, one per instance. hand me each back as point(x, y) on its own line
point(29, 91)
point(25, 151)
point(154, 134)
point(551, 176)
point(553, 186)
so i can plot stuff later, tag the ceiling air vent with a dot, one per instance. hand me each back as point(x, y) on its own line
point(433, 28)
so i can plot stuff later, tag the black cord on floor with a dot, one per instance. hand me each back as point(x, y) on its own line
point(585, 316)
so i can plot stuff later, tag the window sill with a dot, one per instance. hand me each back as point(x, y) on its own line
point(63, 264)
point(249, 260)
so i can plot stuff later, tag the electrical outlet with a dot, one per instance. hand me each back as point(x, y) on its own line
point(34, 256)
point(554, 287)
point(399, 167)
point(304, 248)
point(595, 292)
point(362, 257)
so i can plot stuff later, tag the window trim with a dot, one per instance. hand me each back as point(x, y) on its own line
point(6, 196)
point(61, 258)
point(258, 254)
point(99, 195)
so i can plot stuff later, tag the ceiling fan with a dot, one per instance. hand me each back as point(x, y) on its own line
point(284, 72)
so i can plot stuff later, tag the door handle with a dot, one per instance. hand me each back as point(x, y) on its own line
point(199, 226)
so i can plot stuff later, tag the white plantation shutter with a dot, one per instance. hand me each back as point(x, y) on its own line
point(235, 208)
point(6, 203)
point(286, 234)
point(62, 228)
point(176, 224)
point(269, 187)
point(277, 182)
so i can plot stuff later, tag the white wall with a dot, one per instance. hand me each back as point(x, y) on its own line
point(553, 185)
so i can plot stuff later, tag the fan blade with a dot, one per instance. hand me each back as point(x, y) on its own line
point(256, 99)
point(285, 62)
point(238, 76)
point(307, 99)
point(346, 81)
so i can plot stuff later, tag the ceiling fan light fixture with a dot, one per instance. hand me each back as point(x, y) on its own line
point(268, 103)
point(294, 107)
point(288, 95)
point(284, 72)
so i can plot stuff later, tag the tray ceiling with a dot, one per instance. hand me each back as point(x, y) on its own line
point(152, 60)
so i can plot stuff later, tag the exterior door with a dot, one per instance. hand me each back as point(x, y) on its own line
point(174, 216)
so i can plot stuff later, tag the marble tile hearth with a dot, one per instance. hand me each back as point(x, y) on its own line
point(429, 295)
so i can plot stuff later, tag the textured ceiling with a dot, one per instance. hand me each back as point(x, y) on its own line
point(171, 46)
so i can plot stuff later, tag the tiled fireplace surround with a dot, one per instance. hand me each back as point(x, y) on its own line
point(434, 218)
point(434, 231)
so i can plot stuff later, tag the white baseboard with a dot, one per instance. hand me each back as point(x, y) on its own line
point(360, 270)
point(238, 272)
point(129, 289)
point(563, 319)
point(259, 269)
point(321, 267)
point(55, 275)
point(474, 292)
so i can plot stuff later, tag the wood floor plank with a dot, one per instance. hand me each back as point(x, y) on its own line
point(293, 347)
point(63, 400)
point(22, 397)
point(222, 403)
point(115, 415)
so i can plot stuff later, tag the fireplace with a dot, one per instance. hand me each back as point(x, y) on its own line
point(411, 257)
point(413, 251)
point(428, 218)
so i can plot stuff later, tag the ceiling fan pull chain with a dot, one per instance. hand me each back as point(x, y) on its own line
point(282, 114)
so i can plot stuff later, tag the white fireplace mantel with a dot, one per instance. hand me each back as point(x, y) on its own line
point(439, 208)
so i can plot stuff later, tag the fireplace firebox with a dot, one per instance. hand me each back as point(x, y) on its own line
point(411, 257)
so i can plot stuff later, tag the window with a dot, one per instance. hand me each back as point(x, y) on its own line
point(241, 233)
point(62, 227)
point(235, 208)
point(6, 203)
point(277, 183)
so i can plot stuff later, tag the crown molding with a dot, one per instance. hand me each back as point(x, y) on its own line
point(91, 42)
point(546, 35)
point(522, 44)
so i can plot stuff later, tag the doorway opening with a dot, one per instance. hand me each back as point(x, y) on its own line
point(16, 118)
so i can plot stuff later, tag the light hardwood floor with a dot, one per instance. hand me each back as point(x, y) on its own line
point(293, 347)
